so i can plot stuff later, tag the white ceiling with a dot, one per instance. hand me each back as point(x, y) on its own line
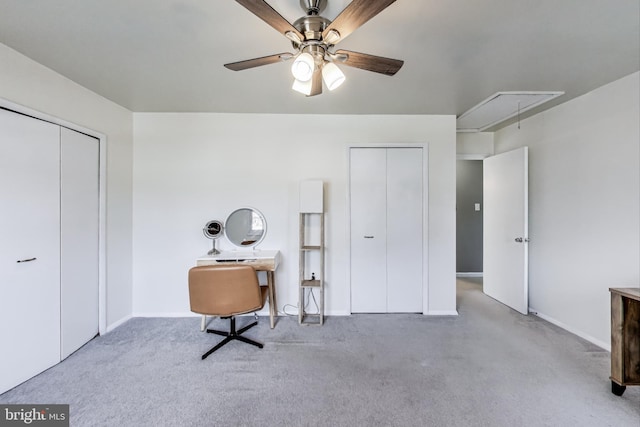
point(168, 56)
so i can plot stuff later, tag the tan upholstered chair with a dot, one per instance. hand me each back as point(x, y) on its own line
point(226, 291)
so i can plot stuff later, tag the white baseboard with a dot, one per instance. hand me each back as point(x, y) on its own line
point(114, 325)
point(167, 314)
point(441, 313)
point(601, 344)
point(263, 312)
point(338, 313)
point(466, 274)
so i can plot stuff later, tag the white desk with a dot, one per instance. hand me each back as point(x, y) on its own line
point(261, 260)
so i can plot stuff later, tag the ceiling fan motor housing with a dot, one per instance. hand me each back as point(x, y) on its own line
point(311, 26)
point(313, 7)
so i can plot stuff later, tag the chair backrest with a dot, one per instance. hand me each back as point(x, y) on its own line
point(224, 290)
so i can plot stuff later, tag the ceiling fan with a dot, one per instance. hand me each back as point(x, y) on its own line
point(314, 37)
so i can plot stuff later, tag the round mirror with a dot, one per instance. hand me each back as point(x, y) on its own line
point(213, 230)
point(245, 227)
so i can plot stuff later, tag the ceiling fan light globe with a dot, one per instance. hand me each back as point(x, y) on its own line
point(303, 67)
point(302, 87)
point(332, 75)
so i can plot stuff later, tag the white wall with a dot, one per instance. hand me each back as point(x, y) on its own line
point(27, 83)
point(584, 195)
point(474, 145)
point(191, 168)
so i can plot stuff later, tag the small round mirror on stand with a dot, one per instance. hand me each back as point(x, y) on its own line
point(213, 230)
point(245, 227)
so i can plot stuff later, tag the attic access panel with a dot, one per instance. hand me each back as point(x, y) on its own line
point(500, 107)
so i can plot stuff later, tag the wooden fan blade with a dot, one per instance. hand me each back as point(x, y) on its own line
point(257, 62)
point(377, 64)
point(316, 83)
point(356, 14)
point(269, 15)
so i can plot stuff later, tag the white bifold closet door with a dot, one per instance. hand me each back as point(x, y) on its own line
point(79, 231)
point(49, 228)
point(386, 204)
point(29, 247)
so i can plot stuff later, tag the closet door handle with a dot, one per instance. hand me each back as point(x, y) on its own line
point(26, 260)
point(368, 237)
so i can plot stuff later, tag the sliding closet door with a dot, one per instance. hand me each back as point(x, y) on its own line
point(79, 196)
point(29, 247)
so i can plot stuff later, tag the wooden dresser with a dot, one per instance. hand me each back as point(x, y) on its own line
point(625, 338)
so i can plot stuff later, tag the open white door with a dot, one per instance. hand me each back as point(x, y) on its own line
point(506, 229)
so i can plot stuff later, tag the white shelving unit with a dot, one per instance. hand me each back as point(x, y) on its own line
point(311, 265)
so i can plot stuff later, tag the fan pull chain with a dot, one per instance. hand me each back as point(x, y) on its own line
point(518, 114)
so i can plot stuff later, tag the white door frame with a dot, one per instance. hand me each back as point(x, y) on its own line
point(102, 252)
point(425, 214)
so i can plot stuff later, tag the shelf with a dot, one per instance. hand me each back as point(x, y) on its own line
point(311, 319)
point(311, 265)
point(311, 284)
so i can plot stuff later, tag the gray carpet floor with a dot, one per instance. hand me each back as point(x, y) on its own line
point(489, 366)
